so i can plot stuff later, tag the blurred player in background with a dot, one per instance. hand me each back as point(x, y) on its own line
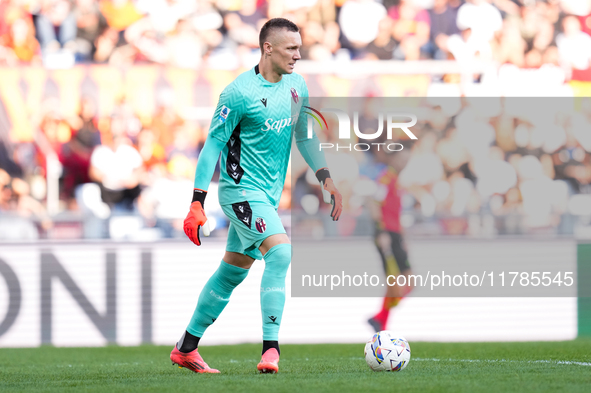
point(252, 128)
point(385, 209)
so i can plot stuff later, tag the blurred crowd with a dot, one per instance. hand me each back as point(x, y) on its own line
point(480, 166)
point(224, 33)
point(106, 166)
point(509, 166)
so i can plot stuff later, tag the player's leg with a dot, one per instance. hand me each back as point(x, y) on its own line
point(216, 293)
point(392, 253)
point(213, 298)
point(382, 242)
point(277, 254)
point(401, 255)
point(260, 231)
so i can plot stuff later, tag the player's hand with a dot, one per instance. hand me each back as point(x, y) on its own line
point(333, 196)
point(194, 221)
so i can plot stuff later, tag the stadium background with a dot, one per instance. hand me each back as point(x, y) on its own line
point(80, 74)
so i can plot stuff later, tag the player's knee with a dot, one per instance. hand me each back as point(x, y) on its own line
point(278, 258)
point(236, 259)
point(227, 277)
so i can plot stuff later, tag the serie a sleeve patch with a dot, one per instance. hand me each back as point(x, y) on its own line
point(224, 114)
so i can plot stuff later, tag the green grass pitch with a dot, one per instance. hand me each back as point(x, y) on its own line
point(434, 367)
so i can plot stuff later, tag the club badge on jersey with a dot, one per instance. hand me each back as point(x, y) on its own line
point(294, 95)
point(261, 225)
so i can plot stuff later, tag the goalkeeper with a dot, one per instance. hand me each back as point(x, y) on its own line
point(252, 128)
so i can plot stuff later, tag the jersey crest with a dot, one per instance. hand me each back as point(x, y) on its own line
point(294, 95)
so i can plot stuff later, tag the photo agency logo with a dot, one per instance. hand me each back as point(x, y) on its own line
point(344, 123)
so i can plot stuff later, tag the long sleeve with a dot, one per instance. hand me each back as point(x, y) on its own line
point(227, 115)
point(308, 147)
point(207, 160)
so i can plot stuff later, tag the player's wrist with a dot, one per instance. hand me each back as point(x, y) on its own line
point(322, 174)
point(199, 196)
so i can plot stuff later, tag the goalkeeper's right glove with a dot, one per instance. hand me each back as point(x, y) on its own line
point(196, 218)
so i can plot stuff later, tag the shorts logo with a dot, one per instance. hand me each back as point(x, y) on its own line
point(294, 95)
point(261, 225)
point(224, 113)
point(243, 213)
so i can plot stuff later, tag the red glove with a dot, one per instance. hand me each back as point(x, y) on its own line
point(196, 217)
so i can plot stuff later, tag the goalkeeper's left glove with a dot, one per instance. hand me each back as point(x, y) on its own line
point(330, 194)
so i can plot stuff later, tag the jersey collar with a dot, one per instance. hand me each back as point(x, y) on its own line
point(260, 76)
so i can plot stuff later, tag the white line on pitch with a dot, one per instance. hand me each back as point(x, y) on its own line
point(566, 362)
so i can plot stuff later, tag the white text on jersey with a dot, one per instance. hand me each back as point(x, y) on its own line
point(279, 124)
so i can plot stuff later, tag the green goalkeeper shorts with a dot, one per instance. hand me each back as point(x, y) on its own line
point(250, 224)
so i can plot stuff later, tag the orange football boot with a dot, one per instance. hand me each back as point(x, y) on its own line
point(191, 360)
point(269, 362)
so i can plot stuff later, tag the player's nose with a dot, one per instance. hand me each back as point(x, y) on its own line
point(297, 55)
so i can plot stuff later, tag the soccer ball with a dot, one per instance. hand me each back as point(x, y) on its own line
point(387, 351)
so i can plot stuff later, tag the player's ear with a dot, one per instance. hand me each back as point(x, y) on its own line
point(268, 48)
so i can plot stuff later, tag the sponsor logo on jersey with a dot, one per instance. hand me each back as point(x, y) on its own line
point(264, 101)
point(271, 124)
point(261, 225)
point(294, 95)
point(224, 113)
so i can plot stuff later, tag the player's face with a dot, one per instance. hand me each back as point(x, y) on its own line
point(286, 51)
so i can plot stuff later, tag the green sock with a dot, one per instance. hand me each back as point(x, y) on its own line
point(214, 297)
point(277, 262)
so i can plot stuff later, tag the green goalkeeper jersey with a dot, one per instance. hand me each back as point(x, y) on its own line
point(254, 119)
